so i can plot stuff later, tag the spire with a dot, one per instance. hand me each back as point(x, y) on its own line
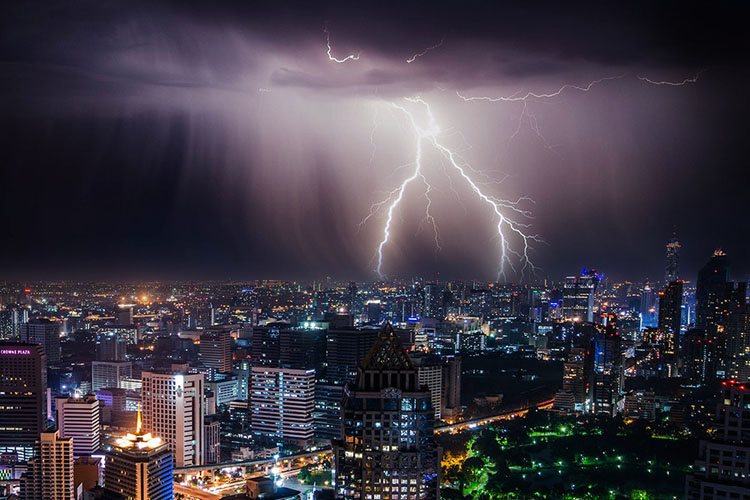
point(139, 421)
point(387, 353)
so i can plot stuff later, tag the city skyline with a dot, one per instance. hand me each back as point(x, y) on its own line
point(241, 141)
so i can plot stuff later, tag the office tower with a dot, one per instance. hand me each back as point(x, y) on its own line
point(738, 344)
point(452, 388)
point(345, 349)
point(11, 319)
point(670, 315)
point(46, 333)
point(50, 472)
point(303, 348)
point(572, 396)
point(23, 397)
point(716, 300)
point(430, 375)
point(110, 347)
point(139, 467)
point(671, 272)
point(607, 376)
point(80, 419)
point(388, 449)
point(693, 356)
point(578, 297)
point(648, 309)
point(282, 401)
point(266, 347)
point(352, 298)
point(723, 461)
point(109, 373)
point(433, 305)
point(216, 350)
point(212, 439)
point(173, 409)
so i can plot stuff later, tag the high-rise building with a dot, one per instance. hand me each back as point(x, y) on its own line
point(670, 315)
point(430, 375)
point(282, 402)
point(578, 297)
point(716, 300)
point(80, 419)
point(572, 396)
point(452, 388)
point(50, 472)
point(671, 271)
point(173, 409)
point(216, 350)
point(110, 347)
point(721, 470)
point(139, 467)
point(46, 333)
point(377, 458)
point(23, 397)
point(266, 346)
point(106, 374)
point(345, 349)
point(212, 439)
point(607, 377)
point(738, 344)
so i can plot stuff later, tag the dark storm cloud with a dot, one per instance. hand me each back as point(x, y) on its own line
point(187, 138)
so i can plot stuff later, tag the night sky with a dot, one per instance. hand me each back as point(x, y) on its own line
point(187, 140)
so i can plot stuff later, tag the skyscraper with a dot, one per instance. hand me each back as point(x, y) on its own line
point(23, 397)
point(46, 333)
point(110, 347)
point(80, 419)
point(139, 467)
point(282, 401)
point(670, 314)
point(50, 472)
point(717, 299)
point(216, 350)
point(388, 449)
point(607, 377)
point(578, 297)
point(671, 271)
point(173, 409)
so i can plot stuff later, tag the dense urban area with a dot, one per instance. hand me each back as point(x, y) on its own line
point(582, 388)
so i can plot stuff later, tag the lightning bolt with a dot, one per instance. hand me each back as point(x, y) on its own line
point(331, 57)
point(686, 81)
point(533, 95)
point(425, 51)
point(506, 212)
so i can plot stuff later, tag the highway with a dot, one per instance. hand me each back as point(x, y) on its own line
point(479, 422)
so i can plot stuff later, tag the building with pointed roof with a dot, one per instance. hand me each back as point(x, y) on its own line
point(387, 450)
point(139, 467)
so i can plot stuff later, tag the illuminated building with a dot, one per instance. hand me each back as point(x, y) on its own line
point(110, 347)
point(722, 469)
point(670, 315)
point(216, 350)
point(578, 297)
point(80, 419)
point(451, 388)
point(430, 375)
point(50, 472)
point(388, 449)
point(23, 397)
point(106, 374)
point(572, 396)
point(717, 299)
point(212, 439)
point(173, 409)
point(282, 402)
point(139, 467)
point(47, 334)
point(607, 377)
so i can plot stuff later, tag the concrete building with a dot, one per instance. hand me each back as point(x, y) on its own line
point(106, 374)
point(173, 409)
point(50, 472)
point(45, 333)
point(80, 419)
point(282, 401)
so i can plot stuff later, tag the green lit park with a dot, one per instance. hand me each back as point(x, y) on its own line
point(545, 455)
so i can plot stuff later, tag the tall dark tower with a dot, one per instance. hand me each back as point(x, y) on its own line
point(670, 314)
point(671, 272)
point(388, 449)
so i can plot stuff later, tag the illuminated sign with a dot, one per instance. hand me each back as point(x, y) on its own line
point(15, 352)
